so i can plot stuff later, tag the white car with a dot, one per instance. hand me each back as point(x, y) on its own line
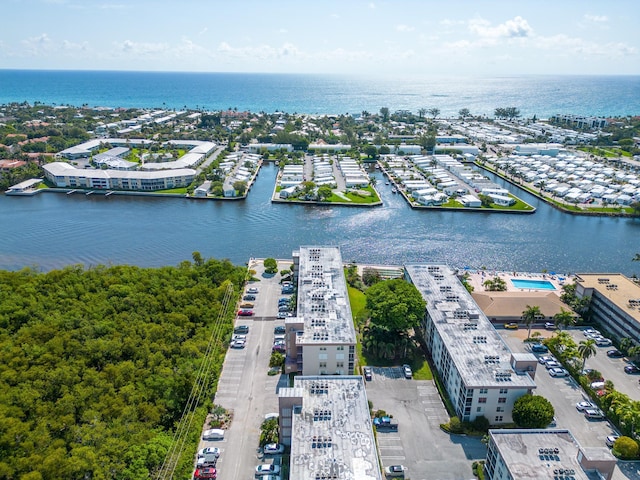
point(558, 372)
point(273, 449)
point(584, 405)
point(395, 470)
point(267, 469)
point(603, 342)
point(209, 451)
point(551, 364)
point(407, 371)
point(610, 440)
point(594, 414)
point(213, 434)
point(252, 290)
point(238, 344)
point(590, 331)
point(545, 358)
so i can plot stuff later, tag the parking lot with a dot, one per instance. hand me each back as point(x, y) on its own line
point(419, 444)
point(564, 393)
point(244, 387)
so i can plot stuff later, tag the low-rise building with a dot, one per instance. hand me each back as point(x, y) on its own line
point(321, 339)
point(544, 454)
point(615, 302)
point(478, 370)
point(326, 421)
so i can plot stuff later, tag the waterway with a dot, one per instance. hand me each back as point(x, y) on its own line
point(50, 230)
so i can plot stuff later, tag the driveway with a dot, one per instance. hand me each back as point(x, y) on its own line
point(419, 444)
point(245, 389)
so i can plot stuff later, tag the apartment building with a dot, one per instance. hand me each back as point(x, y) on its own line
point(321, 339)
point(615, 302)
point(544, 454)
point(326, 421)
point(481, 375)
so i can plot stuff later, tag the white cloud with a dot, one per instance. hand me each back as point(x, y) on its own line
point(142, 48)
point(71, 46)
point(596, 18)
point(261, 52)
point(37, 45)
point(517, 27)
point(450, 23)
point(404, 28)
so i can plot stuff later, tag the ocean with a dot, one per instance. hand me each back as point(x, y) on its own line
point(542, 96)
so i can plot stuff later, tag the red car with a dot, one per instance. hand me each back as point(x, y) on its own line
point(207, 472)
point(245, 313)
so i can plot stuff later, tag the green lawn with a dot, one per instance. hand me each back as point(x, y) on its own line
point(182, 190)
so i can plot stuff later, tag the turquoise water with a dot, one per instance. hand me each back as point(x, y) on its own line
point(326, 94)
point(533, 284)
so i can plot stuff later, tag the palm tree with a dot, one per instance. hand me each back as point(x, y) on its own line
point(625, 344)
point(587, 349)
point(529, 316)
point(422, 112)
point(564, 318)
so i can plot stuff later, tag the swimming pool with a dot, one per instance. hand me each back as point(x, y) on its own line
point(533, 284)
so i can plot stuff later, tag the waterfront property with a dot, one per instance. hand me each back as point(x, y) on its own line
point(480, 374)
point(326, 421)
point(505, 307)
point(544, 454)
point(615, 302)
point(64, 175)
point(321, 339)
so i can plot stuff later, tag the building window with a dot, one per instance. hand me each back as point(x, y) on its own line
point(322, 356)
point(323, 349)
point(499, 409)
point(482, 400)
point(478, 409)
point(339, 364)
point(340, 348)
point(323, 364)
point(503, 391)
point(502, 400)
point(498, 418)
point(484, 390)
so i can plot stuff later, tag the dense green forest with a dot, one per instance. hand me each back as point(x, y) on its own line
point(96, 365)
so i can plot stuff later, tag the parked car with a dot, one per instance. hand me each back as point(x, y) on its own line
point(208, 460)
point(284, 308)
point(546, 358)
point(631, 369)
point(511, 326)
point(240, 343)
point(603, 342)
point(281, 315)
point(246, 305)
point(552, 364)
point(213, 434)
point(395, 470)
point(594, 414)
point(584, 405)
point(590, 331)
point(249, 298)
point(550, 326)
point(267, 469)
point(368, 373)
point(245, 312)
point(286, 290)
point(610, 440)
point(206, 472)
point(539, 348)
point(252, 290)
point(284, 301)
point(558, 372)
point(273, 449)
point(406, 369)
point(279, 347)
point(279, 329)
point(241, 329)
point(615, 353)
point(385, 423)
point(209, 451)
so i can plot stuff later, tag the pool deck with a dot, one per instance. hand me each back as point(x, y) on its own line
point(478, 277)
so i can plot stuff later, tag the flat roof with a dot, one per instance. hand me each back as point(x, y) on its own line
point(323, 302)
point(62, 169)
point(520, 451)
point(481, 356)
point(331, 433)
point(619, 289)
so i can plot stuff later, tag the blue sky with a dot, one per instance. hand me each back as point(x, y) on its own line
point(467, 37)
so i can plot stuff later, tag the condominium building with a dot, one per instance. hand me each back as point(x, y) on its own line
point(478, 370)
point(544, 454)
point(321, 339)
point(326, 421)
point(615, 302)
point(64, 175)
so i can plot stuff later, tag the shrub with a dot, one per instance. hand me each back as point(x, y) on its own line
point(626, 448)
point(453, 426)
point(532, 411)
point(270, 265)
point(480, 424)
point(276, 360)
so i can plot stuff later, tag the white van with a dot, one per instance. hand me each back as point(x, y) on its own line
point(213, 434)
point(597, 385)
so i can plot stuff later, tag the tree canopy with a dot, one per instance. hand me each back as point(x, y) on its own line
point(532, 411)
point(96, 365)
point(395, 305)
